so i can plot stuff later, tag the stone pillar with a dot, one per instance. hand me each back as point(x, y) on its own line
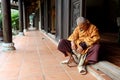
point(20, 17)
point(24, 18)
point(6, 23)
point(27, 19)
point(40, 16)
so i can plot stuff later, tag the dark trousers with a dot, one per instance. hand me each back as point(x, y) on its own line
point(92, 54)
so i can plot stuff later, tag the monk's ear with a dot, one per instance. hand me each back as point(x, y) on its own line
point(87, 21)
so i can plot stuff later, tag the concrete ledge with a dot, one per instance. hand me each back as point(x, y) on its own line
point(98, 73)
point(50, 36)
point(105, 71)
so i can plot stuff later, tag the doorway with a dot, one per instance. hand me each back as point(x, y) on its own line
point(104, 14)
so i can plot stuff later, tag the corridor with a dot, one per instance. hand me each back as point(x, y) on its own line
point(36, 58)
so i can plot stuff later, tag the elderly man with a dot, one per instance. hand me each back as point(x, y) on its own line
point(82, 45)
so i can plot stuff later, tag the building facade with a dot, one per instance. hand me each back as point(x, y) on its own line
point(58, 17)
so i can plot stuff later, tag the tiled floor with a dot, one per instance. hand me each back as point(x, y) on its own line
point(36, 58)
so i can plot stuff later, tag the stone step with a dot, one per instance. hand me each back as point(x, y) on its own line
point(105, 70)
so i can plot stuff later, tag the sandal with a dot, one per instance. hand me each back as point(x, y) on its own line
point(75, 59)
point(72, 62)
point(64, 62)
point(82, 70)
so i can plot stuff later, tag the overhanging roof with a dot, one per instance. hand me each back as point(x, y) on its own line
point(30, 5)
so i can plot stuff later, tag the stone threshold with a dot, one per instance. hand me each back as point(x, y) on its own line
point(105, 70)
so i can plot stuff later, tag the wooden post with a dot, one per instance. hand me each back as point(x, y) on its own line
point(6, 23)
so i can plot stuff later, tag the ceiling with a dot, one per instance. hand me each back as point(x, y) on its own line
point(31, 5)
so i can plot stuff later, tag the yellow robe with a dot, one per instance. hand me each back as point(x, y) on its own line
point(90, 36)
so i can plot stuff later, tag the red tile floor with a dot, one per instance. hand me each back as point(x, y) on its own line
point(36, 58)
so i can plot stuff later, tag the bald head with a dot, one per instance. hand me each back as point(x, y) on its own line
point(80, 20)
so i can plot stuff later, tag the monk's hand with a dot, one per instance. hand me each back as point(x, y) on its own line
point(73, 46)
point(79, 49)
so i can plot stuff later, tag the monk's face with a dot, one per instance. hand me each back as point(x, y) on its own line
point(83, 26)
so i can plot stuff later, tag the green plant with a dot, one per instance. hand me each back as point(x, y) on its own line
point(15, 19)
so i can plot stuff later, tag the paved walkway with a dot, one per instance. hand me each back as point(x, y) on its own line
point(36, 58)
